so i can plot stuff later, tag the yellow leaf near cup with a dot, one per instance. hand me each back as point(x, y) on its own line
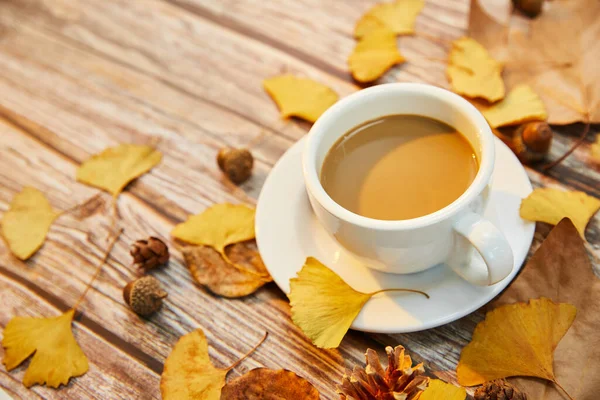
point(398, 16)
point(374, 54)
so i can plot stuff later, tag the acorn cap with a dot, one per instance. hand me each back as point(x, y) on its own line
point(144, 295)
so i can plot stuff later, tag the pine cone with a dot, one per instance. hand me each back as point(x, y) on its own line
point(150, 253)
point(400, 381)
point(499, 390)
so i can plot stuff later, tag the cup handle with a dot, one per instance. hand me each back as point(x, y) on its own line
point(491, 245)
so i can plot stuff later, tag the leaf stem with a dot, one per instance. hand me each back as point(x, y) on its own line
point(563, 389)
point(400, 290)
point(98, 268)
point(571, 150)
point(252, 350)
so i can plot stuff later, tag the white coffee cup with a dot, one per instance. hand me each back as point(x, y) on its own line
point(446, 236)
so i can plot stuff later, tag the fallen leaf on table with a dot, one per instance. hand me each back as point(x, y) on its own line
point(115, 167)
point(472, 72)
point(374, 54)
point(300, 97)
point(400, 380)
point(218, 226)
point(515, 340)
point(57, 356)
point(323, 305)
point(439, 390)
point(188, 372)
point(520, 105)
point(398, 16)
point(243, 276)
point(556, 54)
point(561, 271)
point(264, 383)
point(552, 205)
point(27, 222)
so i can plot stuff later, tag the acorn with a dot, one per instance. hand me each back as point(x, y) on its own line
point(530, 142)
point(144, 295)
point(236, 164)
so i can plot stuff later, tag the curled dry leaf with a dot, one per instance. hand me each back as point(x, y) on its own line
point(264, 383)
point(27, 222)
point(218, 226)
point(300, 97)
point(115, 167)
point(473, 72)
point(374, 54)
point(398, 16)
point(245, 274)
point(552, 205)
point(323, 305)
point(188, 372)
point(515, 340)
point(440, 390)
point(522, 104)
point(561, 270)
point(400, 380)
point(57, 356)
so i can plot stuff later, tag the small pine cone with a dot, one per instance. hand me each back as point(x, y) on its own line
point(499, 390)
point(400, 380)
point(150, 253)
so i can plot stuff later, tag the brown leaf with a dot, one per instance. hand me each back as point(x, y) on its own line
point(209, 268)
point(556, 54)
point(561, 270)
point(269, 384)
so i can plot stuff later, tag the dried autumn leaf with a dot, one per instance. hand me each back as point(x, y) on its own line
point(515, 340)
point(57, 356)
point(400, 380)
point(188, 372)
point(115, 167)
point(218, 226)
point(556, 55)
point(398, 16)
point(561, 270)
point(440, 390)
point(300, 97)
point(323, 305)
point(27, 222)
point(245, 274)
point(473, 72)
point(374, 54)
point(521, 105)
point(264, 383)
point(551, 205)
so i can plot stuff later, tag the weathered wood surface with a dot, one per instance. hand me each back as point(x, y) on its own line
point(80, 75)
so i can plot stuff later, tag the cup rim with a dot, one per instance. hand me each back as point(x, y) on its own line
point(316, 133)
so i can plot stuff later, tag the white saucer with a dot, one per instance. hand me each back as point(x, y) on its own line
point(287, 232)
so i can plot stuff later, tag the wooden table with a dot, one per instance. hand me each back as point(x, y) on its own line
point(77, 76)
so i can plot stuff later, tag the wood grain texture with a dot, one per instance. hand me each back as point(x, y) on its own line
point(186, 75)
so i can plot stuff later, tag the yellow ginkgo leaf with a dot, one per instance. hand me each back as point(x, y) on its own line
point(440, 390)
point(300, 97)
point(374, 54)
point(515, 340)
point(57, 356)
point(218, 226)
point(472, 72)
point(398, 16)
point(115, 167)
point(551, 205)
point(323, 305)
point(188, 372)
point(27, 221)
point(522, 104)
